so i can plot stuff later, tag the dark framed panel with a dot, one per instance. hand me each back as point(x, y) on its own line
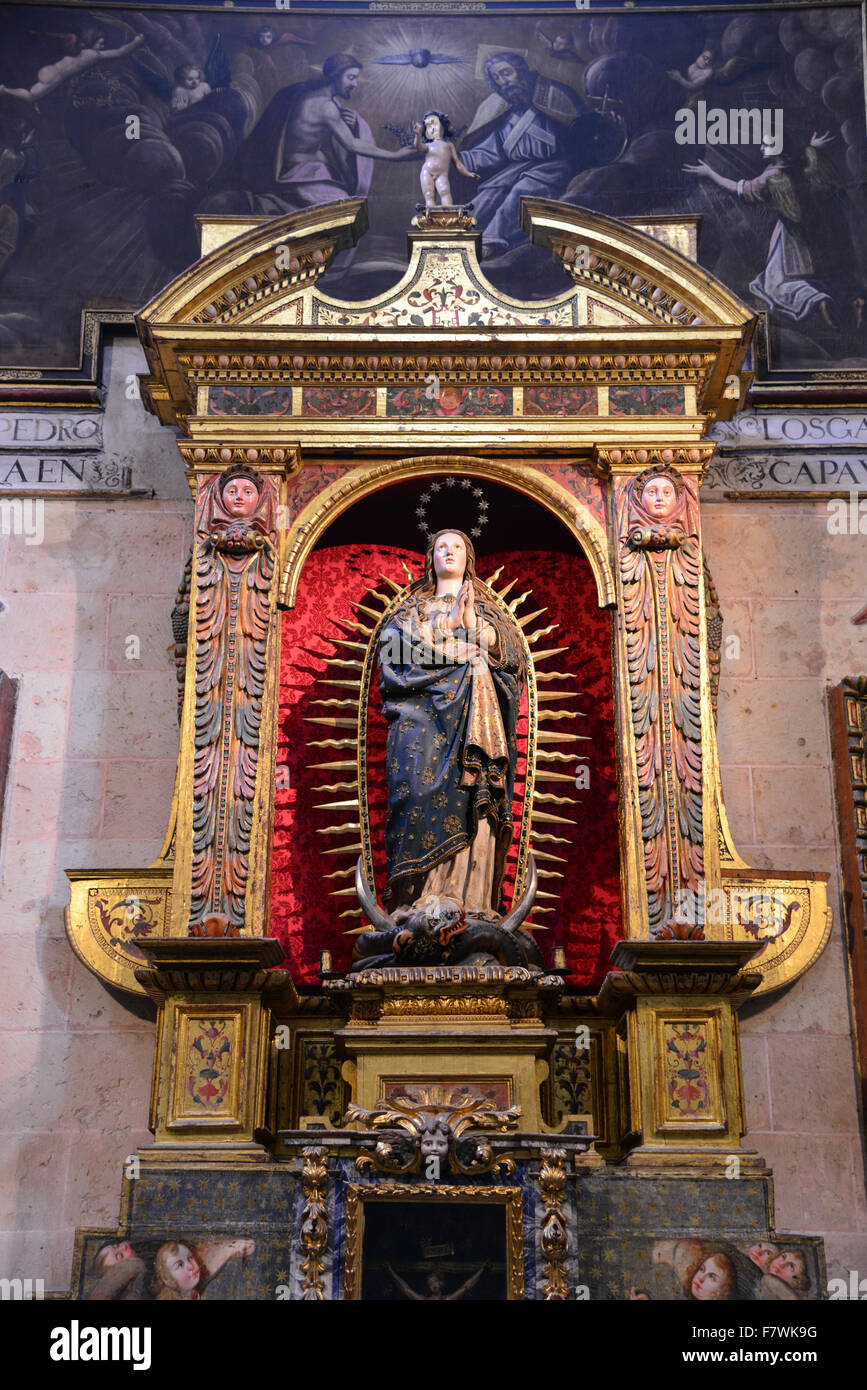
point(429, 1243)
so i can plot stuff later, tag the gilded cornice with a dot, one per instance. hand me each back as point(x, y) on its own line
point(209, 458)
point(633, 267)
point(338, 357)
point(249, 313)
point(247, 267)
point(630, 459)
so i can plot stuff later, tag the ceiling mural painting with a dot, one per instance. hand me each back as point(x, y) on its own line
point(119, 127)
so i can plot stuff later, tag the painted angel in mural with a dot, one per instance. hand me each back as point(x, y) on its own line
point(706, 1271)
point(267, 39)
point(435, 139)
point(452, 671)
point(84, 51)
point(661, 570)
point(120, 1274)
point(562, 46)
point(182, 1272)
point(311, 146)
point(703, 72)
point(811, 260)
point(190, 82)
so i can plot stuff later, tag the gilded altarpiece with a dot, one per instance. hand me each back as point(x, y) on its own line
point(577, 1047)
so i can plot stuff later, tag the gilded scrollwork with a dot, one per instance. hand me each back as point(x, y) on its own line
point(235, 565)
point(554, 1238)
point(661, 576)
point(439, 1125)
point(314, 1223)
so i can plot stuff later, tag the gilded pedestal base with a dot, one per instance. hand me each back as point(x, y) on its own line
point(464, 1027)
point(213, 1030)
point(681, 1092)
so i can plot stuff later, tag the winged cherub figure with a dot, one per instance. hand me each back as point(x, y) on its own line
point(434, 138)
point(703, 71)
point(85, 51)
point(562, 46)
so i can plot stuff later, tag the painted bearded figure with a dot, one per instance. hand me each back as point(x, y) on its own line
point(452, 672)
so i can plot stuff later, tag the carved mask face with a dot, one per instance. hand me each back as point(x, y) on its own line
point(659, 497)
point(240, 497)
point(434, 1143)
point(450, 556)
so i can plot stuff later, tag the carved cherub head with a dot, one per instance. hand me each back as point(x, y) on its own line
point(434, 1138)
point(437, 126)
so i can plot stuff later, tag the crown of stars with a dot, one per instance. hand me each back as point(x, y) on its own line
point(466, 484)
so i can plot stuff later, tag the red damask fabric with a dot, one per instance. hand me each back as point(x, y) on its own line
point(587, 915)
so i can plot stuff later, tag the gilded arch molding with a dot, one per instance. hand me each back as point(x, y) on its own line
point(339, 496)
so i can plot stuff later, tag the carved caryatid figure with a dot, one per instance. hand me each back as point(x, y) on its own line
point(452, 671)
point(661, 572)
point(234, 572)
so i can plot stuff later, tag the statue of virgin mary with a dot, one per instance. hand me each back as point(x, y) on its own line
point(452, 671)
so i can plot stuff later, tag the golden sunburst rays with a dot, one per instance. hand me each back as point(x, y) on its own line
point(410, 66)
point(337, 718)
point(339, 756)
point(553, 754)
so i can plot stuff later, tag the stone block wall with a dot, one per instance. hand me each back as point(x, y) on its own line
point(788, 592)
point(93, 764)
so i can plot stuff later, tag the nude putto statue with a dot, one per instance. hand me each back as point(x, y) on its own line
point(434, 138)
